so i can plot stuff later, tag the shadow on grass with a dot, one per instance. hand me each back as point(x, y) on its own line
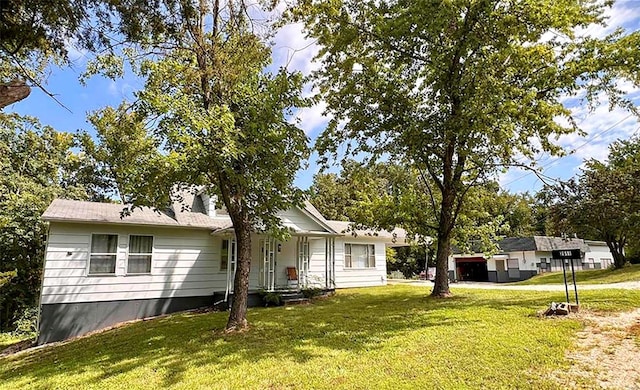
point(353, 320)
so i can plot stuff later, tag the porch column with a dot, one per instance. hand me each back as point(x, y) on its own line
point(333, 262)
point(299, 258)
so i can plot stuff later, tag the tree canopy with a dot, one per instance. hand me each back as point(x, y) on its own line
point(459, 89)
point(216, 118)
point(36, 166)
point(603, 203)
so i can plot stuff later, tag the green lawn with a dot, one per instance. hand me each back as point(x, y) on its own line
point(389, 337)
point(598, 276)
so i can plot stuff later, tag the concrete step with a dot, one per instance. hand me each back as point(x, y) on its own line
point(291, 295)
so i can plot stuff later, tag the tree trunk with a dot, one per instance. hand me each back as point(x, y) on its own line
point(445, 224)
point(617, 250)
point(238, 315)
point(13, 91)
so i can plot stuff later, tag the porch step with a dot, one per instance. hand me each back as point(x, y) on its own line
point(293, 298)
point(291, 295)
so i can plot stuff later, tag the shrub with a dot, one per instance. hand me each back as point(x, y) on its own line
point(26, 324)
point(270, 298)
point(311, 292)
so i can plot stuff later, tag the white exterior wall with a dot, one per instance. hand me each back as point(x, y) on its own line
point(317, 261)
point(526, 260)
point(452, 265)
point(184, 263)
point(360, 277)
point(296, 219)
point(600, 254)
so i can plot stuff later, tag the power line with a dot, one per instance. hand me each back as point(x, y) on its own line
point(589, 140)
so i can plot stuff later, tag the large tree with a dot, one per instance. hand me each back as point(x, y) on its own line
point(459, 89)
point(36, 33)
point(33, 32)
point(221, 121)
point(36, 165)
point(603, 203)
point(123, 155)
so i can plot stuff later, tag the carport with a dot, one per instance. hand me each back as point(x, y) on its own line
point(472, 269)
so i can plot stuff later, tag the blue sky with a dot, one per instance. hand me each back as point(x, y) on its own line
point(291, 49)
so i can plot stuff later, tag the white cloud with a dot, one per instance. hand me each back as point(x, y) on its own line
point(623, 14)
point(77, 55)
point(312, 119)
point(294, 51)
point(602, 127)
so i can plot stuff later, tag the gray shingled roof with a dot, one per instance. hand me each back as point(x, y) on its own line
point(541, 243)
point(513, 244)
point(536, 243)
point(344, 227)
point(187, 212)
point(63, 210)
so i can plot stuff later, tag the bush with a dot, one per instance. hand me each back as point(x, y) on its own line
point(26, 324)
point(270, 298)
point(311, 292)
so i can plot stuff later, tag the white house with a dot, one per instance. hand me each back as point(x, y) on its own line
point(101, 269)
point(522, 258)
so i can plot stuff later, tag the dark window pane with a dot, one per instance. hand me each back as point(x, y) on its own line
point(102, 264)
point(139, 264)
point(104, 243)
point(140, 244)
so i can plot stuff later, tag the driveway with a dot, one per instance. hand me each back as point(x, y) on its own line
point(507, 286)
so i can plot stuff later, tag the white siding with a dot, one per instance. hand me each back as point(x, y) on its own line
point(526, 260)
point(185, 263)
point(317, 261)
point(296, 219)
point(600, 254)
point(360, 277)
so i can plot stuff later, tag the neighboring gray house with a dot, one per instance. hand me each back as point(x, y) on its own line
point(522, 258)
point(101, 269)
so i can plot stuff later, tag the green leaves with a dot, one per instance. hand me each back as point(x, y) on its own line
point(36, 165)
point(459, 89)
point(125, 156)
point(604, 202)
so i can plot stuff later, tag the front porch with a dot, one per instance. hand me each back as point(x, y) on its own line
point(304, 261)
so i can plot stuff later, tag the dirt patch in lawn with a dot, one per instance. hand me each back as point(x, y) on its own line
point(17, 347)
point(607, 352)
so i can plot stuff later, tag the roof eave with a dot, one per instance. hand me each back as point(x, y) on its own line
point(100, 222)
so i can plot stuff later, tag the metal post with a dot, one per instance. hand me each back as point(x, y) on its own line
point(575, 288)
point(564, 274)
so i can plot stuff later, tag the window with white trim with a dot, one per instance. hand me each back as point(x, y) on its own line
point(228, 256)
point(224, 255)
point(359, 256)
point(104, 252)
point(140, 254)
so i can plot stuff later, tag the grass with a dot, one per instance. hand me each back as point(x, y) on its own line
point(598, 276)
point(388, 337)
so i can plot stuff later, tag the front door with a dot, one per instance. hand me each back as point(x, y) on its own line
point(268, 263)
